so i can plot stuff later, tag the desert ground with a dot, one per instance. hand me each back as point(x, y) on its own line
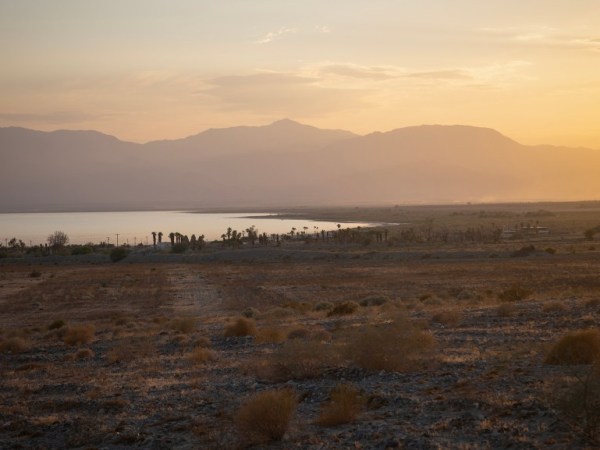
point(443, 340)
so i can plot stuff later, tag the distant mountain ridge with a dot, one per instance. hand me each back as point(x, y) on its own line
point(285, 164)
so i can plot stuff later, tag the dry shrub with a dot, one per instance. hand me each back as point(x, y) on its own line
point(280, 313)
point(201, 355)
point(202, 342)
point(56, 325)
point(270, 336)
point(299, 333)
point(84, 353)
point(506, 310)
point(343, 309)
point(297, 360)
point(448, 318)
point(592, 303)
point(578, 399)
point(345, 404)
point(265, 416)
point(554, 306)
point(128, 351)
point(375, 300)
point(323, 306)
point(396, 346)
point(514, 293)
point(578, 347)
point(184, 325)
point(81, 334)
point(251, 313)
point(14, 345)
point(242, 326)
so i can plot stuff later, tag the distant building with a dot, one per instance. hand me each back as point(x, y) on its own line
point(527, 230)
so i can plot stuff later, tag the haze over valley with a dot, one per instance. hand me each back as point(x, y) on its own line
point(286, 164)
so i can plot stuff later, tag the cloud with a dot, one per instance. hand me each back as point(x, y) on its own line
point(278, 93)
point(544, 36)
point(275, 35)
point(445, 74)
point(349, 70)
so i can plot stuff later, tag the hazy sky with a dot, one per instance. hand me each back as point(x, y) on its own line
point(150, 69)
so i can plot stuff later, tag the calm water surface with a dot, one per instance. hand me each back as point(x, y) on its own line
point(135, 227)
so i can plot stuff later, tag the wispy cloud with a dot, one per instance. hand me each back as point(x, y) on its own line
point(544, 36)
point(282, 93)
point(275, 35)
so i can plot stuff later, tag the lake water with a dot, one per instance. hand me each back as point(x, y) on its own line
point(134, 227)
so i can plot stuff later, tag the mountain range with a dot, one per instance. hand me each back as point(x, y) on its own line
point(285, 164)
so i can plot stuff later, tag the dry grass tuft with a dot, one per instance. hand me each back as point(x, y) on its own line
point(299, 333)
point(201, 355)
point(14, 345)
point(514, 293)
point(81, 334)
point(506, 310)
point(343, 309)
point(346, 403)
point(270, 336)
point(578, 347)
point(56, 325)
point(447, 318)
point(84, 353)
point(184, 325)
point(297, 360)
point(242, 326)
point(265, 416)
point(397, 346)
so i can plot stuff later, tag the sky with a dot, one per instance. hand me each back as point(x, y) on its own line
point(143, 70)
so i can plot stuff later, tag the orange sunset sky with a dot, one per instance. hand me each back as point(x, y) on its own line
point(144, 70)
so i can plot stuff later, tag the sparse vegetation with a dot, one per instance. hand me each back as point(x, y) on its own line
point(397, 346)
point(201, 355)
point(514, 293)
point(265, 416)
point(79, 334)
point(344, 406)
point(118, 253)
point(577, 347)
point(242, 326)
point(14, 345)
point(343, 309)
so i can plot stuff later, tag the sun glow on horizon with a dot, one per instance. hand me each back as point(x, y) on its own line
point(167, 70)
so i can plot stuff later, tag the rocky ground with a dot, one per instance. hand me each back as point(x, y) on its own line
point(136, 378)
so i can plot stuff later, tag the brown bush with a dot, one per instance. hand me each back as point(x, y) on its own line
point(397, 346)
point(578, 347)
point(506, 310)
point(265, 416)
point(242, 326)
point(56, 324)
point(514, 293)
point(201, 355)
point(270, 336)
point(81, 334)
point(448, 318)
point(184, 325)
point(14, 345)
point(84, 353)
point(345, 404)
point(299, 333)
point(343, 309)
point(297, 360)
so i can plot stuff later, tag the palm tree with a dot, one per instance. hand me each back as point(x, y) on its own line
point(172, 237)
point(160, 235)
point(154, 239)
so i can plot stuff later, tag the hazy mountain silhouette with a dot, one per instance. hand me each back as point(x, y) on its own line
point(285, 163)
